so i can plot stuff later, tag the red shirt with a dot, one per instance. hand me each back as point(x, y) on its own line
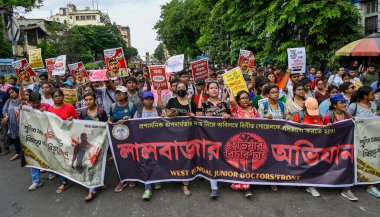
point(196, 99)
point(44, 106)
point(316, 120)
point(65, 112)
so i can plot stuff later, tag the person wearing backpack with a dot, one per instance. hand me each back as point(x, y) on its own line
point(310, 115)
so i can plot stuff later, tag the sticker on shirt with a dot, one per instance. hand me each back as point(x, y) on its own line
point(120, 132)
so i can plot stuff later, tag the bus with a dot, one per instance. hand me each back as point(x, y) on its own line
point(6, 68)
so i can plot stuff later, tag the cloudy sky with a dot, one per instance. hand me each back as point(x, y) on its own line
point(139, 15)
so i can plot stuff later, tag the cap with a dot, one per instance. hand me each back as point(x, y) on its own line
point(200, 81)
point(337, 98)
point(68, 83)
point(311, 105)
point(121, 89)
point(148, 94)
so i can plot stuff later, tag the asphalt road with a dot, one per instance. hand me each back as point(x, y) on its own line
point(16, 200)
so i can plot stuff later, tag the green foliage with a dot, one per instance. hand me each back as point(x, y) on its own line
point(91, 66)
point(266, 27)
point(159, 52)
point(27, 5)
point(179, 26)
point(130, 52)
point(5, 47)
point(47, 49)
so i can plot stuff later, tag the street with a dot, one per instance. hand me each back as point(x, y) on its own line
point(17, 201)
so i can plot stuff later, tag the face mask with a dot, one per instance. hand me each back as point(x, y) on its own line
point(181, 93)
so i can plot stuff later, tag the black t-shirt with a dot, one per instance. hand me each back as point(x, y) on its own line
point(183, 110)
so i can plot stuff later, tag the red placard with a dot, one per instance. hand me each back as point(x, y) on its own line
point(79, 72)
point(49, 63)
point(200, 69)
point(25, 72)
point(116, 65)
point(249, 55)
point(158, 76)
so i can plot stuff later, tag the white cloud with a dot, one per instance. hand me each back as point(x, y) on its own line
point(139, 15)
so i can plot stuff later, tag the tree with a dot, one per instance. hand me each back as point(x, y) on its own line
point(28, 5)
point(130, 52)
point(5, 47)
point(179, 26)
point(159, 52)
point(47, 49)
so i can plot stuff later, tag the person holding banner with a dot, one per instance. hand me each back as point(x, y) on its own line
point(65, 112)
point(81, 104)
point(10, 112)
point(363, 106)
point(47, 97)
point(241, 107)
point(295, 104)
point(260, 92)
point(213, 107)
point(181, 106)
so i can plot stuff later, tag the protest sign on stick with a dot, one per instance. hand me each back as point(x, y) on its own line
point(246, 54)
point(35, 58)
point(175, 63)
point(234, 80)
point(98, 75)
point(79, 72)
point(24, 72)
point(158, 76)
point(297, 60)
point(60, 65)
point(115, 61)
point(200, 69)
point(50, 65)
point(70, 96)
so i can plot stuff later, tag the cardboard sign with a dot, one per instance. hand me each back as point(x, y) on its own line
point(50, 65)
point(249, 55)
point(297, 60)
point(175, 63)
point(116, 65)
point(79, 72)
point(70, 96)
point(235, 81)
point(60, 65)
point(25, 72)
point(35, 58)
point(200, 69)
point(158, 76)
point(98, 75)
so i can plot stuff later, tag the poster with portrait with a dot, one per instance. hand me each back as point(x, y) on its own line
point(79, 72)
point(25, 72)
point(246, 54)
point(60, 65)
point(35, 59)
point(50, 65)
point(116, 64)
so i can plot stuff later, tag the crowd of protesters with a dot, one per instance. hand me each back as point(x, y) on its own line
point(311, 97)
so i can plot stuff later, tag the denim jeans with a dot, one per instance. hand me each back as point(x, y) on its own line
point(214, 185)
point(36, 175)
point(63, 180)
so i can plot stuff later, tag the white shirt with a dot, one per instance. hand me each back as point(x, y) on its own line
point(335, 80)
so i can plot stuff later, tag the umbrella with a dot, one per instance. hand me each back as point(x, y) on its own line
point(368, 46)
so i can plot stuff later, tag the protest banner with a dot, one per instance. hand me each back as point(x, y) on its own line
point(79, 72)
point(175, 63)
point(246, 54)
point(35, 58)
point(75, 149)
point(367, 142)
point(60, 65)
point(115, 61)
point(158, 76)
point(297, 60)
point(50, 65)
point(98, 75)
point(25, 72)
point(234, 79)
point(237, 150)
point(200, 69)
point(70, 96)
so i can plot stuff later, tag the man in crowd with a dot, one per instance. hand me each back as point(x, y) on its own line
point(337, 78)
point(370, 75)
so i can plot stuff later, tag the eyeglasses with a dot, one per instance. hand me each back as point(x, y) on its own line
point(244, 98)
point(57, 96)
point(352, 87)
point(274, 92)
point(300, 89)
point(320, 83)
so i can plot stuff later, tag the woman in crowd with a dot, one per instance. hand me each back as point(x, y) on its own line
point(213, 107)
point(346, 77)
point(362, 106)
point(295, 104)
point(272, 78)
point(321, 93)
point(310, 115)
point(10, 111)
point(242, 108)
point(325, 105)
point(181, 106)
point(147, 110)
point(88, 88)
point(347, 89)
point(92, 113)
point(318, 75)
point(65, 112)
point(260, 92)
point(307, 85)
point(47, 97)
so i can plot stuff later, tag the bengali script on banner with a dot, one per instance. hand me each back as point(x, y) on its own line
point(367, 142)
point(75, 149)
point(243, 150)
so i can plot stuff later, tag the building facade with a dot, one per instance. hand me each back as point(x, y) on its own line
point(369, 9)
point(72, 16)
point(126, 34)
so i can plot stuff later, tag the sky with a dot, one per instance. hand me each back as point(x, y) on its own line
point(139, 15)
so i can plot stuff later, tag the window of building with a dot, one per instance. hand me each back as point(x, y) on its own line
point(58, 19)
point(77, 17)
point(82, 17)
point(370, 25)
point(71, 17)
point(93, 17)
point(88, 17)
point(371, 8)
